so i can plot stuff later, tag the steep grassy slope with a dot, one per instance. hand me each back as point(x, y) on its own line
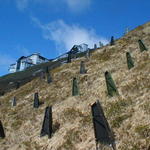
point(128, 114)
point(9, 82)
point(23, 77)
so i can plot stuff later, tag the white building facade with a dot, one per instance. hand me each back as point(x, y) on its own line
point(24, 62)
point(80, 48)
point(83, 47)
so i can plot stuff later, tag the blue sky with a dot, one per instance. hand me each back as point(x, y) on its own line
point(52, 27)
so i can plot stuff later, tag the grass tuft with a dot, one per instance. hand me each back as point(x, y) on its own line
point(143, 131)
point(116, 122)
point(117, 107)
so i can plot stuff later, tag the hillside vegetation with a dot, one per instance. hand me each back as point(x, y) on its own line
point(128, 114)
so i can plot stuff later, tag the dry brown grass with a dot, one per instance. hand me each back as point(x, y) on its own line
point(127, 114)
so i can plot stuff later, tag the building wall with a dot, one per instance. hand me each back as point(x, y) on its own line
point(27, 62)
point(84, 47)
point(39, 60)
point(22, 65)
point(12, 68)
point(36, 59)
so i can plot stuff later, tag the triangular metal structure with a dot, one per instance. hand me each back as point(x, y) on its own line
point(112, 42)
point(103, 133)
point(2, 133)
point(130, 61)
point(75, 88)
point(48, 75)
point(36, 101)
point(14, 103)
point(111, 87)
point(47, 123)
point(82, 68)
point(142, 46)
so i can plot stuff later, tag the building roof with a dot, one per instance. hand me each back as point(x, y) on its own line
point(41, 57)
point(23, 57)
point(38, 55)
